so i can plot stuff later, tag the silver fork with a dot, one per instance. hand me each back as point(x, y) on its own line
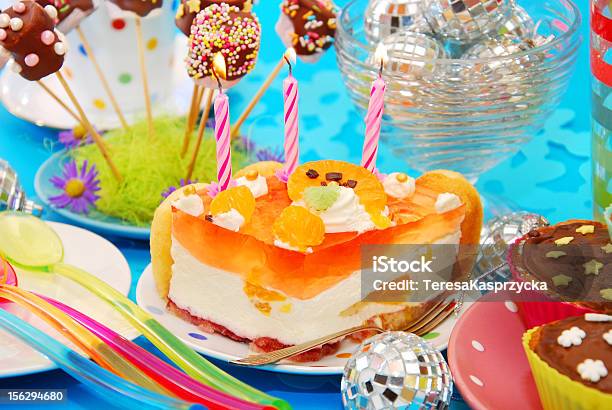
point(421, 326)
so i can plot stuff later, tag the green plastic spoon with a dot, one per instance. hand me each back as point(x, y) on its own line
point(30, 243)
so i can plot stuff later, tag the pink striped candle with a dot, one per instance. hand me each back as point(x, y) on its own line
point(292, 150)
point(222, 135)
point(373, 118)
point(222, 126)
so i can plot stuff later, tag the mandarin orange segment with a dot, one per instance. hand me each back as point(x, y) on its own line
point(299, 227)
point(381, 221)
point(239, 198)
point(367, 186)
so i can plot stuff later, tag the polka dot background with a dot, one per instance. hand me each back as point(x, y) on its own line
point(118, 24)
point(113, 41)
point(99, 104)
point(125, 78)
point(152, 44)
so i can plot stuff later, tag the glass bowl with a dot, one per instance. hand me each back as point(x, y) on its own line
point(466, 115)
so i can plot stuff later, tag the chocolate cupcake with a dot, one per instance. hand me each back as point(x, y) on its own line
point(574, 259)
point(187, 10)
point(571, 361)
point(308, 26)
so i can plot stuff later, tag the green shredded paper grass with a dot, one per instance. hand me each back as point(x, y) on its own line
point(149, 167)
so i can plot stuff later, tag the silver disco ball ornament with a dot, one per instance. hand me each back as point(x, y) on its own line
point(396, 370)
point(411, 54)
point(465, 20)
point(499, 55)
point(496, 237)
point(12, 197)
point(385, 17)
point(518, 24)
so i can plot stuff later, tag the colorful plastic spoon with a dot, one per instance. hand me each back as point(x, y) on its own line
point(29, 242)
point(7, 274)
point(105, 384)
point(168, 376)
point(95, 348)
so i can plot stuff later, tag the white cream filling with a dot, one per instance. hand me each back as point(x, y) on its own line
point(231, 220)
point(190, 204)
point(258, 186)
point(217, 295)
point(280, 244)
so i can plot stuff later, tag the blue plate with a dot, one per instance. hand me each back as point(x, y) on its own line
point(95, 220)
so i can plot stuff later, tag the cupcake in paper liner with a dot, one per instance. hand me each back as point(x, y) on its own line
point(574, 259)
point(571, 362)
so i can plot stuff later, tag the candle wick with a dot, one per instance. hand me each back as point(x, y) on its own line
point(380, 69)
point(218, 80)
point(289, 64)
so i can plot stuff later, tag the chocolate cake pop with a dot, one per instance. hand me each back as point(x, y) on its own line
point(308, 26)
point(188, 9)
point(141, 8)
point(226, 29)
point(27, 31)
point(70, 13)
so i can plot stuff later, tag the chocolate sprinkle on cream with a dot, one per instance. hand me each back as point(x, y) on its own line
point(209, 218)
point(351, 183)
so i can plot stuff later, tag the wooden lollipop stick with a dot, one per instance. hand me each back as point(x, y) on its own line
point(190, 116)
point(102, 78)
point(143, 72)
point(90, 129)
point(197, 106)
point(59, 101)
point(196, 150)
point(262, 90)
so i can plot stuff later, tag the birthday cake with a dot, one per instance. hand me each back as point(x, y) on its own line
point(276, 263)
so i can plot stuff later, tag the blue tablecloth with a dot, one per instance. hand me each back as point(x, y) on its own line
point(551, 175)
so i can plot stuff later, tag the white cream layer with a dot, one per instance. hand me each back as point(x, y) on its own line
point(217, 295)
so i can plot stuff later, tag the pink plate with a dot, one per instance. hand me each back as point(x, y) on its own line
point(487, 361)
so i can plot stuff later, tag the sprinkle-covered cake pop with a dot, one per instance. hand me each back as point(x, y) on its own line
point(141, 8)
point(27, 31)
point(308, 26)
point(226, 29)
point(187, 10)
point(70, 13)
